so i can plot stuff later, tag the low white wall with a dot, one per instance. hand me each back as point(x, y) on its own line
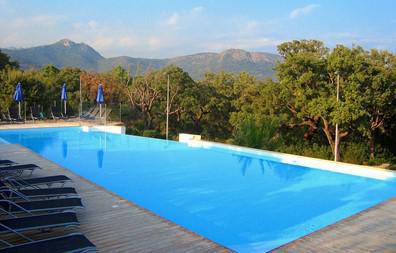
point(189, 137)
point(108, 129)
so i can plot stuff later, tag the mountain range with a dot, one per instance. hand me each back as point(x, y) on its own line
point(68, 53)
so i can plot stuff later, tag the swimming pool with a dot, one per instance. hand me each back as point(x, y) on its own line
point(240, 200)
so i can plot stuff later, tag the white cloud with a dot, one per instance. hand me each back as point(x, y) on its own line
point(102, 42)
point(197, 9)
point(303, 10)
point(34, 21)
point(126, 41)
point(173, 20)
point(92, 24)
point(154, 42)
point(251, 25)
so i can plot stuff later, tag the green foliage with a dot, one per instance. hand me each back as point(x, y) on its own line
point(355, 153)
point(6, 62)
point(151, 133)
point(255, 134)
point(314, 150)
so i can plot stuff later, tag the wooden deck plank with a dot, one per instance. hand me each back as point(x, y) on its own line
point(112, 223)
point(372, 230)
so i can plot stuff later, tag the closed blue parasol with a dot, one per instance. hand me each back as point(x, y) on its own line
point(18, 97)
point(100, 98)
point(64, 95)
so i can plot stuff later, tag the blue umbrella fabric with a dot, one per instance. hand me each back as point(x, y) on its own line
point(64, 92)
point(18, 94)
point(100, 94)
point(18, 97)
point(64, 96)
point(100, 98)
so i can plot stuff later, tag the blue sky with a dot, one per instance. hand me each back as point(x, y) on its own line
point(159, 29)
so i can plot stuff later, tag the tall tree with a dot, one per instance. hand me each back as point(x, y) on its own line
point(142, 93)
point(302, 79)
point(308, 77)
point(6, 61)
point(380, 95)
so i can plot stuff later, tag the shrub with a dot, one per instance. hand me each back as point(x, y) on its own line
point(318, 151)
point(151, 133)
point(315, 150)
point(255, 134)
point(132, 130)
point(354, 153)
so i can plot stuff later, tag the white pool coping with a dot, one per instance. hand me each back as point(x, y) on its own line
point(314, 163)
point(107, 129)
point(85, 126)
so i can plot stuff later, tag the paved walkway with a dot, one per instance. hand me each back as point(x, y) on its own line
point(112, 223)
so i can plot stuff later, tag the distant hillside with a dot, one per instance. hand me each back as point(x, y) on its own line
point(68, 53)
point(232, 60)
point(131, 64)
point(61, 54)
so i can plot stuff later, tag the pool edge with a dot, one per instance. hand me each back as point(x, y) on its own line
point(310, 162)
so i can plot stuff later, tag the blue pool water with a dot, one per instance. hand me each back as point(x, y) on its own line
point(244, 202)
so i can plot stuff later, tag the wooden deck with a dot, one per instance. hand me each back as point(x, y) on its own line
point(372, 230)
point(112, 223)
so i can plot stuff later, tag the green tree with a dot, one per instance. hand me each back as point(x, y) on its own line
point(222, 94)
point(308, 87)
point(5, 61)
point(33, 89)
point(70, 76)
point(379, 95)
point(198, 102)
point(179, 83)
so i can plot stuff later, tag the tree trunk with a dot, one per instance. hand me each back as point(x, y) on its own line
point(329, 135)
point(372, 145)
point(330, 139)
point(148, 120)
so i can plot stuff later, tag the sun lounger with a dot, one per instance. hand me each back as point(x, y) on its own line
point(13, 116)
point(37, 182)
point(33, 114)
point(93, 114)
point(6, 162)
point(19, 168)
point(74, 243)
point(28, 194)
point(87, 113)
point(39, 222)
point(106, 114)
point(4, 118)
point(36, 114)
point(50, 205)
point(55, 114)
